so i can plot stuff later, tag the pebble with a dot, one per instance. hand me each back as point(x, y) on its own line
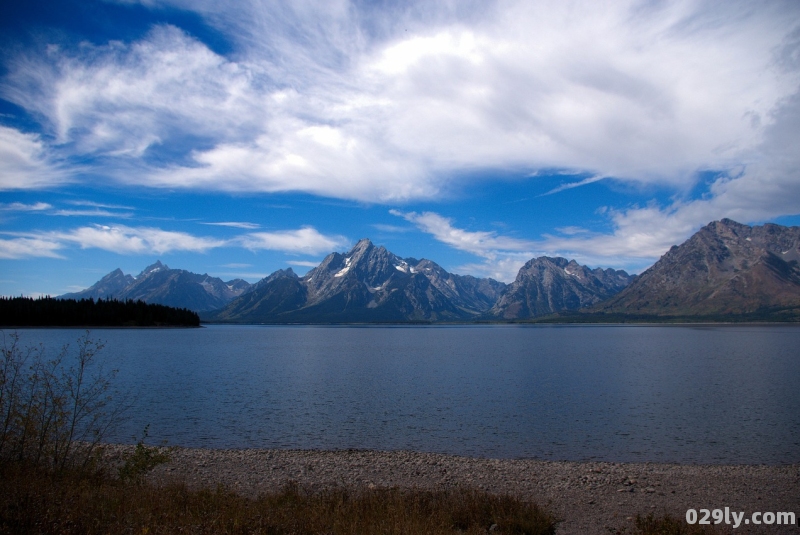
point(585, 495)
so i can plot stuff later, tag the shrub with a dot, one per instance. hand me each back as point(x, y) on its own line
point(55, 411)
point(142, 460)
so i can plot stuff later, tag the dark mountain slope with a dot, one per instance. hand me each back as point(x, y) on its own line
point(725, 268)
point(548, 285)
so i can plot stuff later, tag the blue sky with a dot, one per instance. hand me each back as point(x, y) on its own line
point(237, 138)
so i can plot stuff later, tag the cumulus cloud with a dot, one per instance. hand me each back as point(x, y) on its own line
point(306, 240)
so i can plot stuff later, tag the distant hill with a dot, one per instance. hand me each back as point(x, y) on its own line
point(724, 270)
point(548, 285)
point(171, 287)
point(50, 312)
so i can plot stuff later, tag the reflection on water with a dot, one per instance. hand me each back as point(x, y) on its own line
point(724, 394)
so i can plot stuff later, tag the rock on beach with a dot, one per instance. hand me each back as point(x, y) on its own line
point(590, 497)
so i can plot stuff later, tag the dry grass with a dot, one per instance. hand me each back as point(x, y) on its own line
point(33, 501)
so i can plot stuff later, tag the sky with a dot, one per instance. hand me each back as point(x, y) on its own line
point(238, 138)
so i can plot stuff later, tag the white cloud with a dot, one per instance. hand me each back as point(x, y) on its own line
point(135, 240)
point(29, 247)
point(91, 213)
point(480, 243)
point(766, 187)
point(570, 185)
point(235, 224)
point(22, 207)
point(503, 256)
point(306, 240)
point(122, 239)
point(503, 267)
point(390, 228)
point(24, 163)
point(340, 100)
point(303, 263)
point(384, 104)
point(94, 204)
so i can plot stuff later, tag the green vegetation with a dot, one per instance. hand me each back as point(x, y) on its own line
point(50, 312)
point(143, 459)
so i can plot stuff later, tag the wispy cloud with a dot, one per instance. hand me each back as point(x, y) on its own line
point(25, 162)
point(234, 224)
point(22, 207)
point(481, 243)
point(136, 240)
point(94, 204)
point(360, 108)
point(503, 256)
point(572, 230)
point(30, 247)
point(390, 228)
point(303, 263)
point(97, 212)
point(306, 240)
point(384, 103)
point(570, 185)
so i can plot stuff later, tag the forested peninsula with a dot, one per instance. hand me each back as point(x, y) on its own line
point(51, 312)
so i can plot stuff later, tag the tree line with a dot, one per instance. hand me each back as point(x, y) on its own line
point(52, 312)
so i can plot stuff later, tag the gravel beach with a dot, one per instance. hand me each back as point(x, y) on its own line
point(591, 497)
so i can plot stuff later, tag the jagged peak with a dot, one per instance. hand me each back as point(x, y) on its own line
point(559, 261)
point(282, 273)
point(363, 245)
point(158, 266)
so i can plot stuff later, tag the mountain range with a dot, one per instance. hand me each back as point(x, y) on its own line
point(164, 286)
point(725, 269)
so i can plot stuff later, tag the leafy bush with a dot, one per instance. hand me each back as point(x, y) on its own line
point(142, 460)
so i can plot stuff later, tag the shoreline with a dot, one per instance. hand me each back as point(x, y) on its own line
point(591, 497)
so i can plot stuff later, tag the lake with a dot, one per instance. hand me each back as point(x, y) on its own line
point(688, 394)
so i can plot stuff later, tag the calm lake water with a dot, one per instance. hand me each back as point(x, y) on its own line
point(705, 394)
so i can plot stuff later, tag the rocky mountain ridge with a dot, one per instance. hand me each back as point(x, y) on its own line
point(371, 284)
point(159, 284)
point(548, 285)
point(725, 268)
